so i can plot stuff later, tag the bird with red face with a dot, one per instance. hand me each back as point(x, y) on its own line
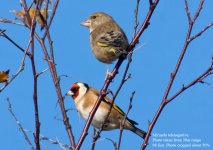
point(85, 98)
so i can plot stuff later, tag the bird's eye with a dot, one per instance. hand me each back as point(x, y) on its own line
point(93, 17)
point(74, 90)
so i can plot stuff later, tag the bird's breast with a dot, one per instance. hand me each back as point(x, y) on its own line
point(99, 115)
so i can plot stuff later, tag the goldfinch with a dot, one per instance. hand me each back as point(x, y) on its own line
point(85, 98)
point(107, 39)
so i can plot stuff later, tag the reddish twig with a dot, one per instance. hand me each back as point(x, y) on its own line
point(195, 81)
point(21, 67)
point(3, 20)
point(150, 2)
point(165, 99)
point(136, 17)
point(113, 142)
point(35, 78)
point(51, 18)
point(58, 90)
point(187, 11)
point(201, 32)
point(124, 79)
point(13, 42)
point(114, 72)
point(50, 60)
point(30, 23)
point(122, 123)
point(53, 141)
point(19, 124)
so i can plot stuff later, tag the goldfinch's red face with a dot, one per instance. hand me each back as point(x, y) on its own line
point(74, 91)
point(78, 90)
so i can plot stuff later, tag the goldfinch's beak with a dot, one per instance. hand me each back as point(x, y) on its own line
point(86, 23)
point(70, 93)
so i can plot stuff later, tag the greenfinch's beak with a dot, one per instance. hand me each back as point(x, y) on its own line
point(86, 23)
point(70, 93)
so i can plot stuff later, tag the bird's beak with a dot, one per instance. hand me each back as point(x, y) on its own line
point(70, 93)
point(86, 23)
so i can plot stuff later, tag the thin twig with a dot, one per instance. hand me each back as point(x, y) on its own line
point(201, 32)
point(13, 42)
point(43, 71)
point(21, 68)
point(45, 138)
point(53, 141)
point(10, 21)
point(199, 79)
point(124, 79)
point(113, 142)
point(58, 90)
point(150, 2)
point(198, 11)
point(19, 124)
point(125, 117)
point(114, 72)
point(165, 99)
point(136, 17)
point(187, 11)
point(51, 18)
point(35, 78)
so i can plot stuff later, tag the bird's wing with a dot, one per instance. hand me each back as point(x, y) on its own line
point(111, 39)
point(108, 101)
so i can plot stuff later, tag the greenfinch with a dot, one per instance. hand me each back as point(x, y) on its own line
point(107, 40)
point(85, 98)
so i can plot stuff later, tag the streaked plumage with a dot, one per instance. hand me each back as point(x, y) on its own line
point(107, 39)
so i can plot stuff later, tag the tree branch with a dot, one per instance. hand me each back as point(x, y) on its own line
point(174, 73)
point(122, 123)
point(114, 72)
point(21, 67)
point(19, 124)
point(199, 79)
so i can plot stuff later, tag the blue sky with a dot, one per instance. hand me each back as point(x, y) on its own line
point(153, 61)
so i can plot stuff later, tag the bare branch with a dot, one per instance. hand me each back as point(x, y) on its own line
point(114, 72)
point(19, 124)
point(136, 18)
point(174, 73)
point(113, 142)
point(51, 64)
point(45, 138)
point(53, 141)
point(21, 68)
point(201, 32)
point(187, 11)
point(95, 134)
point(43, 71)
point(13, 42)
point(150, 2)
point(125, 117)
point(51, 18)
point(10, 21)
point(199, 79)
point(124, 79)
point(58, 89)
point(198, 10)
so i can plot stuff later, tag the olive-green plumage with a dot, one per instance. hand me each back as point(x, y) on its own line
point(107, 39)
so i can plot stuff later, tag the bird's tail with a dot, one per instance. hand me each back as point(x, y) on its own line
point(130, 124)
point(139, 132)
